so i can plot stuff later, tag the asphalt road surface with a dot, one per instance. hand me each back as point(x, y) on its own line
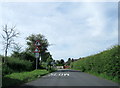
point(65, 77)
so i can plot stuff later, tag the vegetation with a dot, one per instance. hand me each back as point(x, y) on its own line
point(69, 61)
point(31, 40)
point(20, 61)
point(31, 43)
point(19, 78)
point(106, 62)
point(0, 65)
point(60, 62)
point(16, 65)
point(8, 37)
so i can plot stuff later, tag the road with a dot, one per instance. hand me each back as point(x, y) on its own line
point(71, 78)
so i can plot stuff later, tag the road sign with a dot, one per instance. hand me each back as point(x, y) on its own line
point(37, 50)
point(37, 55)
point(37, 43)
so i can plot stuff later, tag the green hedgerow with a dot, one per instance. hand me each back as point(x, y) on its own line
point(106, 62)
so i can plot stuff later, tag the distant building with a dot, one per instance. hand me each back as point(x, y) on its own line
point(59, 67)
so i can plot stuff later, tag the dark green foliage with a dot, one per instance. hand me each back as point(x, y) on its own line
point(49, 60)
point(51, 70)
point(32, 39)
point(16, 54)
point(27, 56)
point(16, 65)
point(69, 61)
point(6, 69)
point(106, 62)
point(24, 56)
point(45, 56)
point(60, 62)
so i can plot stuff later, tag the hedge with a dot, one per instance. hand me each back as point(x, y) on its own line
point(16, 65)
point(107, 62)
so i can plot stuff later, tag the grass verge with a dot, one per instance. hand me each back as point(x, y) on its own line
point(19, 78)
point(102, 75)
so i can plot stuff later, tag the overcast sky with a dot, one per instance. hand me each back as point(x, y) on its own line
point(76, 29)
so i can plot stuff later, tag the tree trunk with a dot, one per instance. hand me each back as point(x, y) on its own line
point(5, 53)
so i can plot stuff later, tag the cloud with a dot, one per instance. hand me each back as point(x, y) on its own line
point(75, 29)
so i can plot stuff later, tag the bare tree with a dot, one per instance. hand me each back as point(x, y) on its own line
point(8, 37)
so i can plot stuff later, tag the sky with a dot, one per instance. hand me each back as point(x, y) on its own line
point(75, 29)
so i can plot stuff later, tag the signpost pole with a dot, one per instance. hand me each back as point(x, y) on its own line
point(37, 55)
point(37, 52)
point(36, 63)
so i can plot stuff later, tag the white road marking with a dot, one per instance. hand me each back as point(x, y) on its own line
point(59, 74)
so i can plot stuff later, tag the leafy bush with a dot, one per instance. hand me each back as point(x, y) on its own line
point(6, 70)
point(27, 56)
point(106, 62)
point(24, 56)
point(44, 65)
point(1, 63)
point(16, 65)
point(51, 69)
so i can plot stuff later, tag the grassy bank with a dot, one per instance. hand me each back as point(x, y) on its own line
point(103, 75)
point(19, 78)
point(104, 64)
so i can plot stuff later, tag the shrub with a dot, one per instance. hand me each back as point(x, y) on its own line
point(27, 56)
point(16, 65)
point(6, 70)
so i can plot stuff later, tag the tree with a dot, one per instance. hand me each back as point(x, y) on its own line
point(62, 62)
point(57, 62)
point(8, 37)
point(43, 41)
point(45, 56)
point(32, 39)
point(69, 61)
point(16, 50)
point(49, 61)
